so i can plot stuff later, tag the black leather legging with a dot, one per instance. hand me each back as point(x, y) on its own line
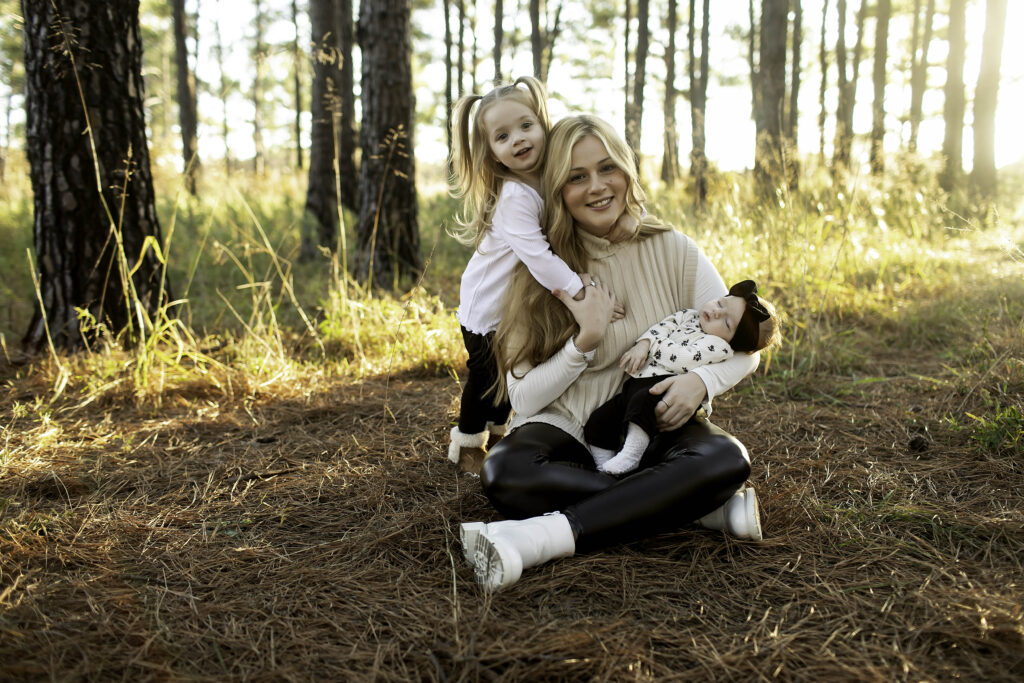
point(683, 475)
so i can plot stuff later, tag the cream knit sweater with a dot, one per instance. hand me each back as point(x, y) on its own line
point(653, 278)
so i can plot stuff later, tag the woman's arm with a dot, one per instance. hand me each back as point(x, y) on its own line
point(535, 388)
point(516, 219)
point(538, 386)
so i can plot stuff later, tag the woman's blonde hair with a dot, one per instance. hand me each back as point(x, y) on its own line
point(536, 324)
point(476, 175)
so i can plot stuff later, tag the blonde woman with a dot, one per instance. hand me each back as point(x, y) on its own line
point(560, 359)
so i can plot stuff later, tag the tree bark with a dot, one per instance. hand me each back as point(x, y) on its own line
point(387, 233)
point(752, 51)
point(952, 143)
point(983, 175)
point(90, 169)
point(919, 68)
point(769, 153)
point(877, 154)
point(670, 156)
point(187, 117)
point(842, 154)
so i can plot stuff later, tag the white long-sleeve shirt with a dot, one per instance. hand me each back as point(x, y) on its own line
point(653, 278)
point(514, 235)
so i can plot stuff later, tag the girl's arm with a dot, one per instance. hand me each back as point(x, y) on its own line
point(516, 219)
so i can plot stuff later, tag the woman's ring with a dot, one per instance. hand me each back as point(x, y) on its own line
point(593, 283)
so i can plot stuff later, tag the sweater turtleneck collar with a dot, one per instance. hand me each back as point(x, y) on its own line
point(600, 247)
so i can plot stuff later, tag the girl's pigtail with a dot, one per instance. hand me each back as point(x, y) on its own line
point(463, 174)
point(539, 96)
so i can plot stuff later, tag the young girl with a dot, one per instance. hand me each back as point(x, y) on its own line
point(739, 322)
point(498, 149)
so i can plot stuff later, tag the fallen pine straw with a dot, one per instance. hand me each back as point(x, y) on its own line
point(315, 536)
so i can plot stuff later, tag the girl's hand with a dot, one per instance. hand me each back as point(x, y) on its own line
point(635, 358)
point(681, 395)
point(618, 310)
point(592, 314)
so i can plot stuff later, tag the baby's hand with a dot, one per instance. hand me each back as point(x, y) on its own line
point(635, 358)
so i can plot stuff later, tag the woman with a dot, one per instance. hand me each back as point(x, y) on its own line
point(560, 359)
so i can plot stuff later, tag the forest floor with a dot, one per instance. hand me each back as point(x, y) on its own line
point(307, 529)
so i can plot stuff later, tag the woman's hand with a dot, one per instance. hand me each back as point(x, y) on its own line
point(636, 357)
point(593, 313)
point(618, 312)
point(681, 395)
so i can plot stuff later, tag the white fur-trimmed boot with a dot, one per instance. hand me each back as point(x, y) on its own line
point(740, 516)
point(462, 441)
point(500, 551)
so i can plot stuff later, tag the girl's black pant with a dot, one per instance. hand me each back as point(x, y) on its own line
point(477, 407)
point(683, 475)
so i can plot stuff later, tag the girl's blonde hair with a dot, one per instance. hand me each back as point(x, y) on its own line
point(476, 175)
point(535, 323)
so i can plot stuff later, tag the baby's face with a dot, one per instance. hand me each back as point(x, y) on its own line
point(720, 316)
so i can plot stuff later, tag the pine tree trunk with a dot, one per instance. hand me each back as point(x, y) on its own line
point(297, 83)
point(260, 154)
point(752, 50)
point(952, 144)
point(90, 173)
point(499, 15)
point(536, 40)
point(698, 102)
point(448, 103)
point(840, 162)
point(320, 224)
point(823, 88)
point(387, 232)
point(187, 118)
point(218, 50)
point(768, 152)
point(640, 71)
point(628, 102)
point(670, 157)
point(348, 171)
point(877, 155)
point(919, 70)
point(793, 110)
point(983, 175)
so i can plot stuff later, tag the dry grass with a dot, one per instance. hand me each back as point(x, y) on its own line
point(309, 532)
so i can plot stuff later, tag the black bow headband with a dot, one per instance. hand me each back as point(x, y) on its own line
point(748, 334)
point(747, 290)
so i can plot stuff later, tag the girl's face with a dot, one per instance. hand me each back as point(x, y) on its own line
point(595, 193)
point(515, 135)
point(720, 316)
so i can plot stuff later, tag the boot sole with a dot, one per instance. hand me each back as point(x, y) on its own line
point(496, 562)
point(753, 510)
point(469, 534)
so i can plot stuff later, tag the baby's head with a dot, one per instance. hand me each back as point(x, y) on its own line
point(742, 318)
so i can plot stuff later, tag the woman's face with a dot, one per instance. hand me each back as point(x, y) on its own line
point(595, 193)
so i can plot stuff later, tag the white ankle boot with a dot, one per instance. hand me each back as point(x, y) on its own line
point(740, 516)
point(500, 551)
point(462, 441)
